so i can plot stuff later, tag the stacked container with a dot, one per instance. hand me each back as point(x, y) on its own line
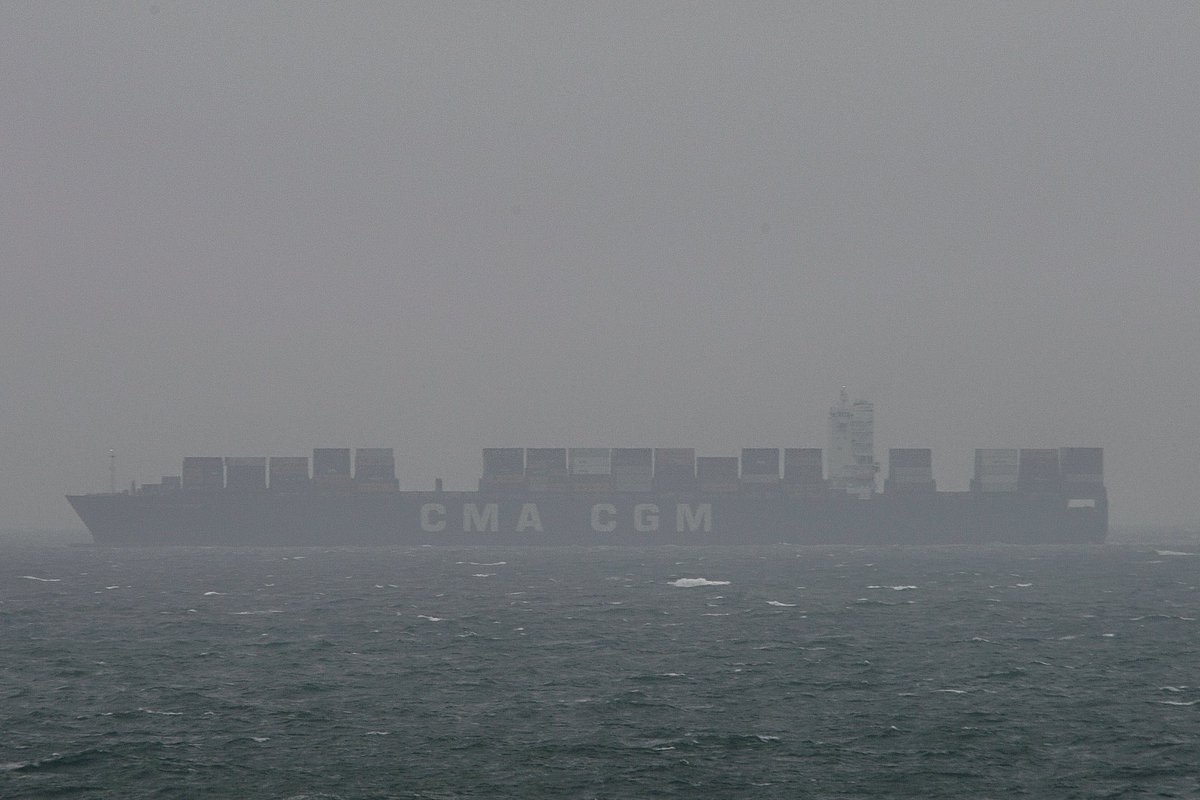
point(1082, 467)
point(674, 469)
point(246, 474)
point(288, 473)
point(910, 470)
point(203, 473)
point(996, 470)
point(375, 470)
point(503, 470)
point(632, 469)
point(760, 468)
point(1037, 471)
point(170, 483)
point(331, 468)
point(591, 469)
point(717, 474)
point(802, 469)
point(546, 469)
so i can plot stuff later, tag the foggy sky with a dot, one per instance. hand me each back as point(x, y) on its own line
point(253, 229)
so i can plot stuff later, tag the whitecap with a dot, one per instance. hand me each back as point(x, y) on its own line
point(685, 583)
point(162, 713)
point(1172, 553)
point(780, 605)
point(483, 575)
point(487, 563)
point(214, 594)
point(431, 619)
point(43, 580)
point(951, 691)
point(378, 733)
point(1024, 585)
point(261, 739)
point(1177, 702)
point(112, 587)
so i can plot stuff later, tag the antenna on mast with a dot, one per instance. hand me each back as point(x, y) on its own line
point(112, 471)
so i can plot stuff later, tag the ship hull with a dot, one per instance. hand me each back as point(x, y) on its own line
point(269, 518)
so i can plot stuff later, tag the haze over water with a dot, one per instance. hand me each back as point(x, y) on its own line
point(255, 229)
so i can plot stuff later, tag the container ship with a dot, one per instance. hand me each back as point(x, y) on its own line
point(625, 496)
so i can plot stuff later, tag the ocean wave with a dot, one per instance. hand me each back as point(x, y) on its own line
point(686, 583)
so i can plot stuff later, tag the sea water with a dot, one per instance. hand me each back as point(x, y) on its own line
point(765, 672)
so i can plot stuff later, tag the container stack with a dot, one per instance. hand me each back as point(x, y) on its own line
point(331, 469)
point(503, 470)
point(674, 469)
point(996, 470)
point(760, 469)
point(591, 469)
point(910, 470)
point(203, 473)
point(1037, 471)
point(632, 469)
point(375, 470)
point(717, 474)
point(246, 474)
point(289, 473)
point(1083, 468)
point(171, 483)
point(546, 469)
point(802, 470)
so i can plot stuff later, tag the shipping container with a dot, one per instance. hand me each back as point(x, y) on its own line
point(674, 461)
point(1037, 470)
point(331, 461)
point(288, 473)
point(375, 468)
point(910, 457)
point(590, 484)
point(246, 473)
point(632, 460)
point(203, 473)
point(719, 487)
point(503, 461)
point(545, 461)
point(802, 466)
point(504, 484)
point(996, 470)
point(542, 482)
point(760, 465)
point(170, 483)
point(632, 482)
point(717, 469)
point(590, 460)
point(1082, 465)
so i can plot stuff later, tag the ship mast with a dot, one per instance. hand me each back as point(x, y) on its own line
point(112, 471)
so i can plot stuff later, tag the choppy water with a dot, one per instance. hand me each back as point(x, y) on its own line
point(743, 673)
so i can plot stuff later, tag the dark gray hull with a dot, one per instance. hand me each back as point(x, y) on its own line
point(472, 518)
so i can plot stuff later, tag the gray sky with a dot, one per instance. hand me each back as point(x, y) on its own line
point(252, 229)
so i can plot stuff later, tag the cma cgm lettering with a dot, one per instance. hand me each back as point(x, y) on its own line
point(529, 518)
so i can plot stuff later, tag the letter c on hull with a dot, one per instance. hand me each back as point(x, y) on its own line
point(599, 523)
point(428, 523)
